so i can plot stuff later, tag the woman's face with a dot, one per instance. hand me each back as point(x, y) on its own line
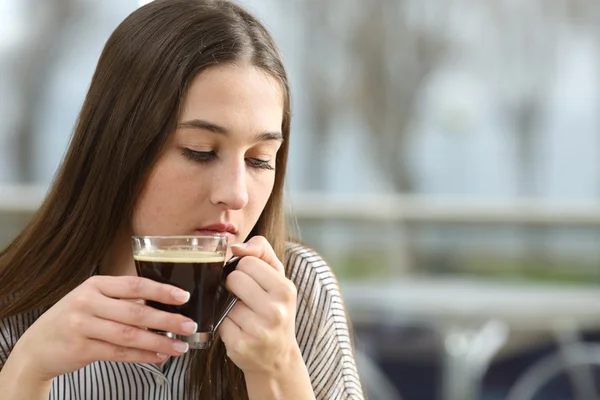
point(218, 169)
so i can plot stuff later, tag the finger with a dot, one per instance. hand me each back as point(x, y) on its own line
point(104, 351)
point(272, 308)
point(141, 315)
point(259, 247)
point(247, 320)
point(135, 287)
point(270, 280)
point(137, 301)
point(230, 333)
point(127, 336)
point(245, 288)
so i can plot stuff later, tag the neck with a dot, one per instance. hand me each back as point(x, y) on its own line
point(118, 261)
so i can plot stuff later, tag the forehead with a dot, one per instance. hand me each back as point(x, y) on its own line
point(235, 96)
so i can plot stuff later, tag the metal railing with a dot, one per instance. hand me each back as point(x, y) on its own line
point(428, 209)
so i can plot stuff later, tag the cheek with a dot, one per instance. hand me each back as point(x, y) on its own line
point(148, 209)
point(157, 207)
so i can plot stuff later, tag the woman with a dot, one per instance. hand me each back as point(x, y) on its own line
point(185, 129)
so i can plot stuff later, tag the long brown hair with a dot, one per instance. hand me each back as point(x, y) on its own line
point(131, 108)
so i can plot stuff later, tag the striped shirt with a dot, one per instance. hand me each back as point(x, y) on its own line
point(321, 331)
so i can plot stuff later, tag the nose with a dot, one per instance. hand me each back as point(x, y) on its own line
point(229, 186)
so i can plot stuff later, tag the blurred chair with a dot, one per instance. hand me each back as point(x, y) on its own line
point(469, 353)
point(574, 358)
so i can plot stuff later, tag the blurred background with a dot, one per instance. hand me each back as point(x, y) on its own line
point(445, 160)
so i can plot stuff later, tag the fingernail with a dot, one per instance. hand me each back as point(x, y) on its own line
point(181, 347)
point(189, 327)
point(181, 295)
point(240, 245)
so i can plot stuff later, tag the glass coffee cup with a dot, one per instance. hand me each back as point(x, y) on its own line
point(195, 264)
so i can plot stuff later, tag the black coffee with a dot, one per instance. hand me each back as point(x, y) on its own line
point(197, 272)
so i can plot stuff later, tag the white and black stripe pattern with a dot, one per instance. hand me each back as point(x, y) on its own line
point(321, 329)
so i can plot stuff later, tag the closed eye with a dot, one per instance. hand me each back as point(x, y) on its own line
point(260, 164)
point(199, 156)
point(206, 156)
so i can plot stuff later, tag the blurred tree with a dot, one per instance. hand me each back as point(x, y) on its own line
point(372, 61)
point(524, 45)
point(521, 48)
point(325, 100)
point(369, 61)
point(394, 53)
point(521, 54)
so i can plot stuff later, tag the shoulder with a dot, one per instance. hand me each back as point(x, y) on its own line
point(322, 327)
point(320, 301)
point(304, 265)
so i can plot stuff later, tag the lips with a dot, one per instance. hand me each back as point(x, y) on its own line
point(218, 228)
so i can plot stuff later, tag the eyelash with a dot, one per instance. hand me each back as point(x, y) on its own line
point(206, 156)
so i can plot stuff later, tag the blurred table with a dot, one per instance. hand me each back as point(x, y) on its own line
point(473, 316)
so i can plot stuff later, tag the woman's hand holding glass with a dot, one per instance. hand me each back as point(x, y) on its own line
point(100, 320)
point(259, 333)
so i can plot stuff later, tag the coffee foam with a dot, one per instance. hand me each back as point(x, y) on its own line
point(178, 256)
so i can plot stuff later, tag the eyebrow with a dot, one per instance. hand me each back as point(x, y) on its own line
point(220, 130)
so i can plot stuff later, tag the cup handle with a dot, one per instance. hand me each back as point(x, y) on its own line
point(228, 268)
